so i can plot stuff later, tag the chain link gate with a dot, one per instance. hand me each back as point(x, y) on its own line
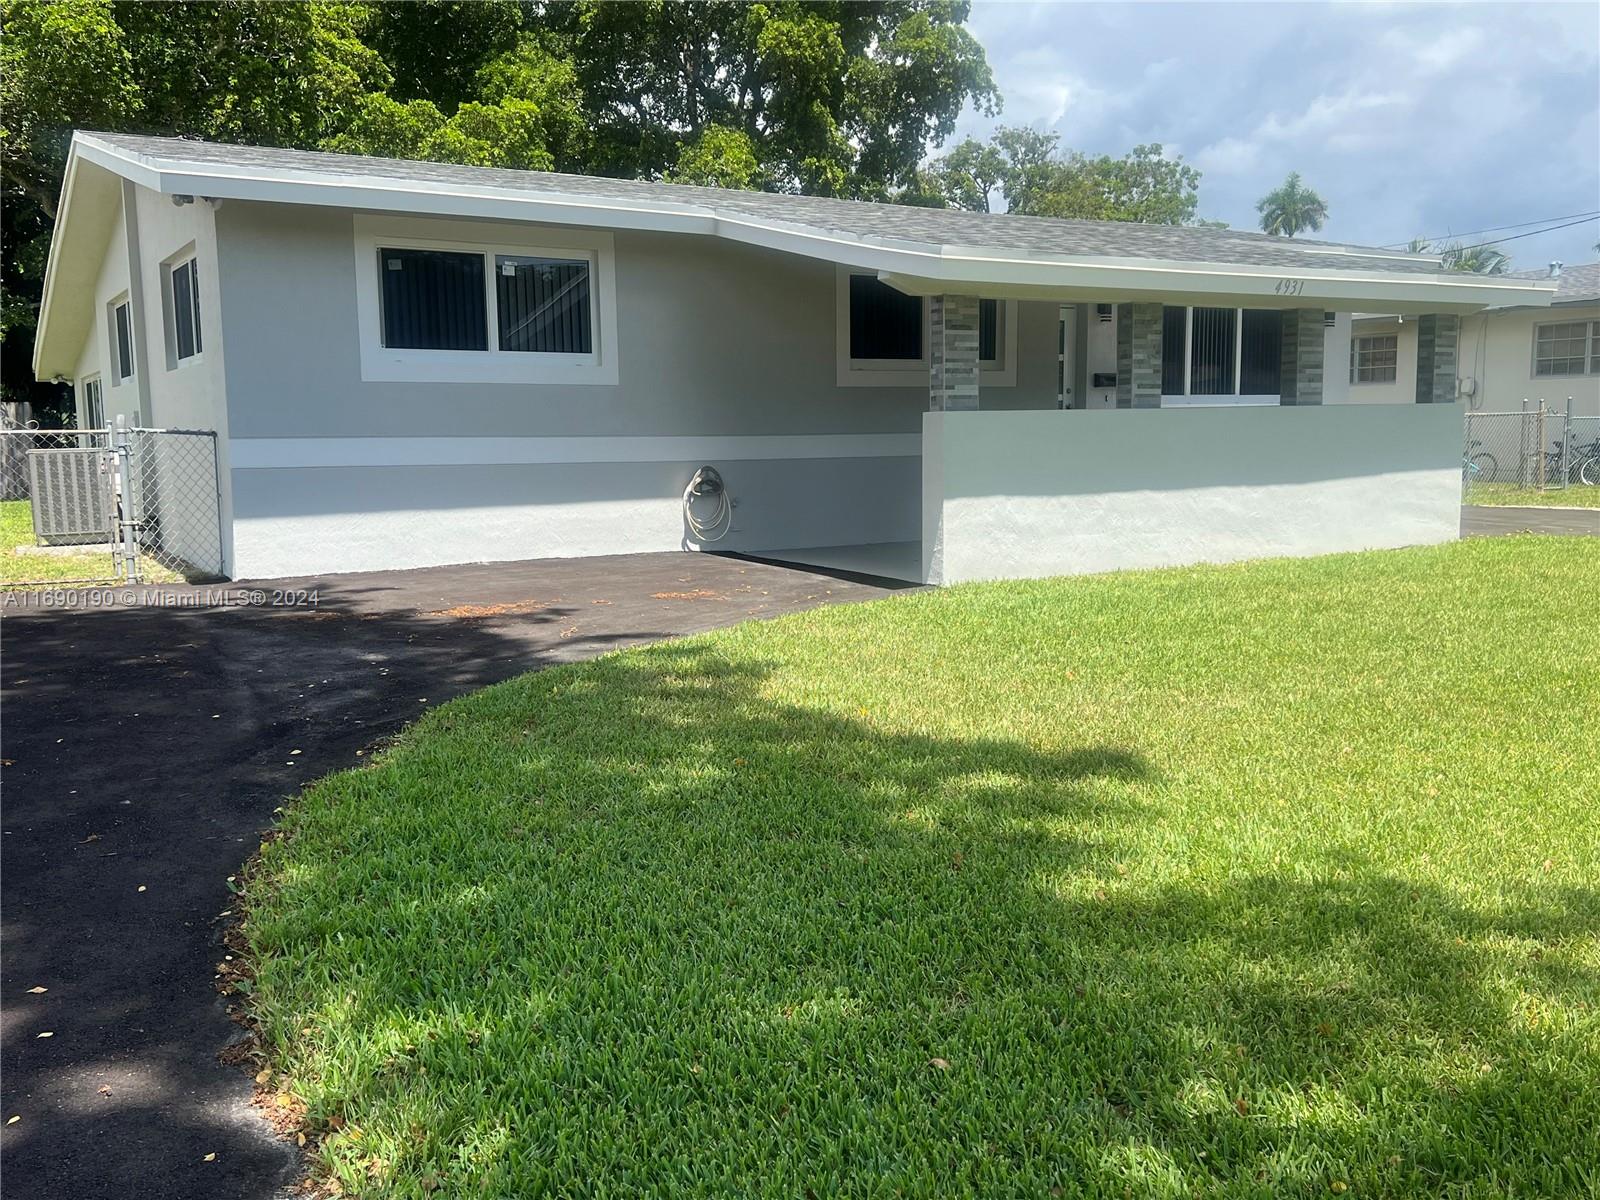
point(1535, 450)
point(120, 505)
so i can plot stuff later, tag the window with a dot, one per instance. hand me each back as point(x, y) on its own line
point(883, 336)
point(1570, 348)
point(1373, 358)
point(1261, 352)
point(119, 318)
point(543, 304)
point(184, 296)
point(1234, 352)
point(94, 407)
point(884, 323)
point(433, 300)
point(460, 302)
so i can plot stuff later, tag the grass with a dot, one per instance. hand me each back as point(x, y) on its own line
point(18, 567)
point(1575, 496)
point(1275, 879)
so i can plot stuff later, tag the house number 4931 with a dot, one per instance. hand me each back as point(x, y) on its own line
point(1290, 287)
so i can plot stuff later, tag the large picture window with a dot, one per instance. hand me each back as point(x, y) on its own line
point(1234, 352)
point(1374, 358)
point(883, 335)
point(459, 302)
point(1567, 348)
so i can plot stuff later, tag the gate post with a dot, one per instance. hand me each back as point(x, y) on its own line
point(124, 482)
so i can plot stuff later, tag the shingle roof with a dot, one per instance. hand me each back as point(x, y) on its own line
point(1575, 285)
point(949, 227)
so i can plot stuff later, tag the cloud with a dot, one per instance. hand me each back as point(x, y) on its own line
point(1409, 119)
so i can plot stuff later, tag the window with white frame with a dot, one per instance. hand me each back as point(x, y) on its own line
point(1567, 348)
point(452, 301)
point(183, 309)
point(94, 404)
point(1374, 358)
point(120, 320)
point(1209, 354)
point(883, 335)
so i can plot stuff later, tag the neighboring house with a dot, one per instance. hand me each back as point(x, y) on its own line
point(412, 363)
point(1509, 353)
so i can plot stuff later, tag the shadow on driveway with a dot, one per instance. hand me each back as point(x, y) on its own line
point(145, 749)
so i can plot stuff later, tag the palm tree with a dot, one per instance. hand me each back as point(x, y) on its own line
point(1292, 208)
point(1474, 260)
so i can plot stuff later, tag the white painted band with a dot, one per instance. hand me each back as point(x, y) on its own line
point(291, 453)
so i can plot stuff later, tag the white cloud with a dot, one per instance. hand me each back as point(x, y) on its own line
point(1410, 119)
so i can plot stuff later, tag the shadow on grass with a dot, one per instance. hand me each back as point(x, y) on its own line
point(645, 922)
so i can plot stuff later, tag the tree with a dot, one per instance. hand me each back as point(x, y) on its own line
point(719, 157)
point(1026, 167)
point(1471, 260)
point(1292, 208)
point(835, 98)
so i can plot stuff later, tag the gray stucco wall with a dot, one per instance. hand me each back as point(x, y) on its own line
point(713, 341)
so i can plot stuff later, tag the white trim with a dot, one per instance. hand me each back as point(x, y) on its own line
point(904, 372)
point(493, 365)
point(1222, 401)
point(926, 268)
point(294, 453)
point(169, 309)
point(87, 417)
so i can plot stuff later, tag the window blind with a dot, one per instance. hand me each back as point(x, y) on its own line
point(544, 304)
point(433, 300)
point(884, 323)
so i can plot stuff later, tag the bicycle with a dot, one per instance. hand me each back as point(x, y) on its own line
point(1478, 468)
point(1582, 462)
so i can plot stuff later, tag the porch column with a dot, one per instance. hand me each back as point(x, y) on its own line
point(1138, 356)
point(953, 357)
point(1438, 335)
point(1301, 363)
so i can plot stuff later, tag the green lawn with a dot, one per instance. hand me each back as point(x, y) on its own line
point(16, 530)
point(1575, 496)
point(1275, 879)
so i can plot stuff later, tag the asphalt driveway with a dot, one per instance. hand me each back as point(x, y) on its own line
point(146, 747)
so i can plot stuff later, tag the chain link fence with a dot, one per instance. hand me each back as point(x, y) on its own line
point(1536, 450)
point(82, 506)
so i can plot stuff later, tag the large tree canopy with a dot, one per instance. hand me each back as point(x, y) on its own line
point(1028, 169)
point(829, 97)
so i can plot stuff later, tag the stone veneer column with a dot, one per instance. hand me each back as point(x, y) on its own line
point(1301, 365)
point(1438, 336)
point(1138, 356)
point(953, 357)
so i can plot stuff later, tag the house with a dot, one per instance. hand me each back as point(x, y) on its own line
point(411, 364)
point(1509, 352)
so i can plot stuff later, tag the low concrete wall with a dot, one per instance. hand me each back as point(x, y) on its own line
point(1012, 495)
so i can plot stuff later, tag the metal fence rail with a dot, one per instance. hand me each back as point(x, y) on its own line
point(125, 504)
point(1534, 450)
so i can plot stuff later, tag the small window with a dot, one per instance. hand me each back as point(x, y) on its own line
point(988, 330)
point(122, 338)
point(1570, 348)
point(1373, 358)
point(433, 300)
point(885, 324)
point(1261, 353)
point(94, 405)
point(1173, 320)
point(185, 284)
point(543, 304)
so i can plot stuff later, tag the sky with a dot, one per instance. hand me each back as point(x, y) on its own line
point(1409, 119)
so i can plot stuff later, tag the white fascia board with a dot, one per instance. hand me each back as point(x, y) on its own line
point(915, 267)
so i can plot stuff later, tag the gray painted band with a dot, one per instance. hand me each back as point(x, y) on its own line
point(277, 453)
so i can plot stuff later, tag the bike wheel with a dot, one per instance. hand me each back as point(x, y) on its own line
point(1483, 468)
point(1589, 471)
